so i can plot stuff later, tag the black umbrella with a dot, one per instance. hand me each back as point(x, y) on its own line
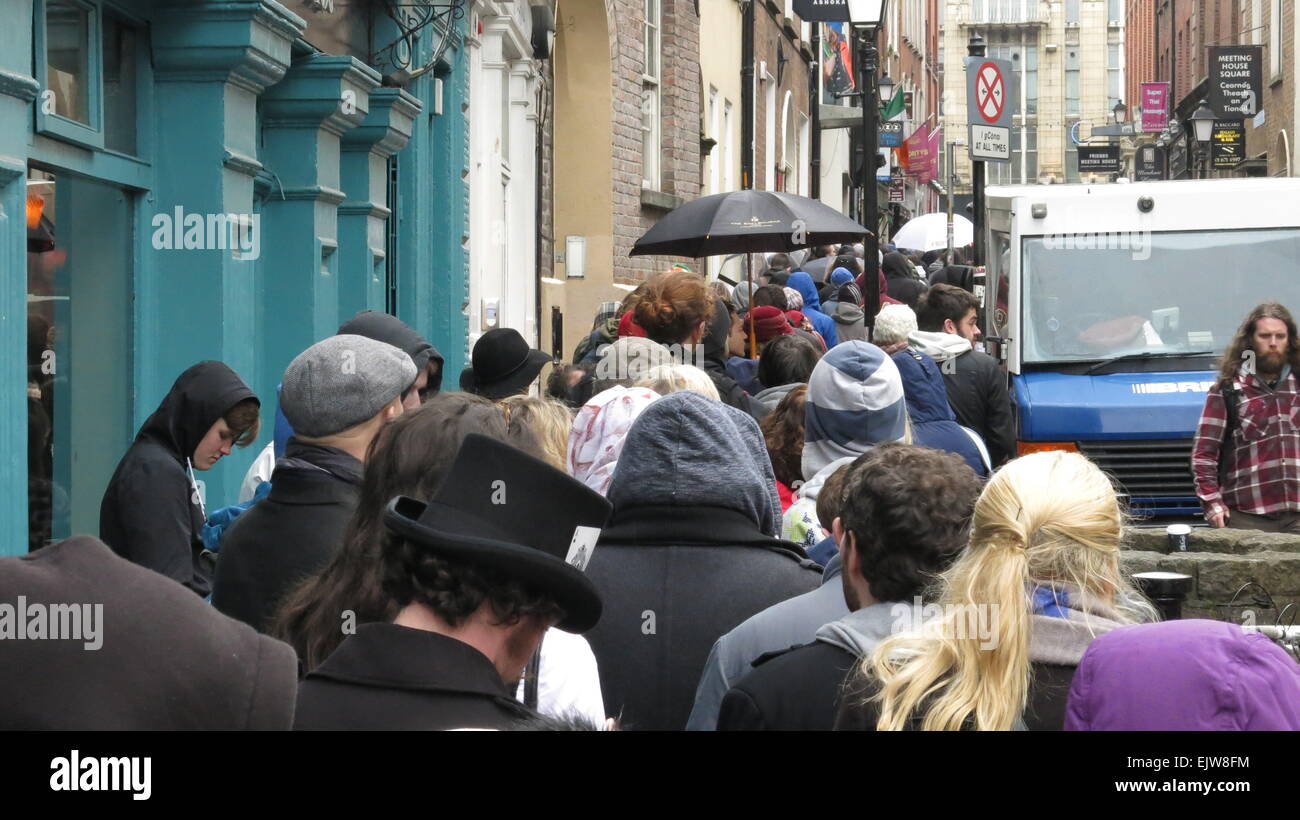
point(747, 222)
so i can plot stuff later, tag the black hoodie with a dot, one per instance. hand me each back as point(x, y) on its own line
point(901, 277)
point(389, 329)
point(715, 364)
point(150, 512)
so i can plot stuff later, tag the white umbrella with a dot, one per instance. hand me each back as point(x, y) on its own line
point(929, 232)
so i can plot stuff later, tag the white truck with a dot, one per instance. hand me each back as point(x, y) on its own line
point(1110, 305)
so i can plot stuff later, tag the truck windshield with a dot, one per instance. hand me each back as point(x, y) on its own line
point(1097, 296)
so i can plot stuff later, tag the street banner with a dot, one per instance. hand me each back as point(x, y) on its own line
point(991, 95)
point(921, 157)
point(1155, 107)
point(1236, 81)
point(1228, 143)
point(896, 191)
point(1099, 159)
point(1149, 164)
point(837, 63)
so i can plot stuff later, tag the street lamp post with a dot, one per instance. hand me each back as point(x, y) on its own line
point(952, 183)
point(866, 17)
point(1203, 125)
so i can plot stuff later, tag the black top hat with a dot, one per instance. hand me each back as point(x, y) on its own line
point(503, 509)
point(502, 364)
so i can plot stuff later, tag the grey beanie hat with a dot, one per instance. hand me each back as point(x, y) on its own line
point(342, 381)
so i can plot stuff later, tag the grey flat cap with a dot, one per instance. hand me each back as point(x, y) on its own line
point(342, 381)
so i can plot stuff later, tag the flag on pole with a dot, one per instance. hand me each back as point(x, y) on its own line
point(894, 108)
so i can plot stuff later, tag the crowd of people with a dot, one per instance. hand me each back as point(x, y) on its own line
point(731, 511)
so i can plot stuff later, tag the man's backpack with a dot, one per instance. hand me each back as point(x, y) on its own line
point(1231, 395)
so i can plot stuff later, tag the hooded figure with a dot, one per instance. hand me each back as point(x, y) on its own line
point(934, 424)
point(845, 308)
point(1191, 675)
point(689, 553)
point(812, 307)
point(742, 294)
point(151, 512)
point(855, 401)
point(901, 277)
point(715, 364)
point(389, 329)
point(977, 389)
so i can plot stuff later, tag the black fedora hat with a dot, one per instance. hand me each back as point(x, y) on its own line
point(503, 509)
point(502, 364)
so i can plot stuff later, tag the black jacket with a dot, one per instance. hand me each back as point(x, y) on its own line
point(977, 391)
point(715, 364)
point(287, 536)
point(388, 677)
point(901, 280)
point(796, 689)
point(166, 660)
point(674, 580)
point(150, 511)
point(1049, 690)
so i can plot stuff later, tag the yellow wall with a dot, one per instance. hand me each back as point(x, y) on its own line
point(583, 163)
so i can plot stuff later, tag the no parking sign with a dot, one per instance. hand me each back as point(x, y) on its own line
point(991, 95)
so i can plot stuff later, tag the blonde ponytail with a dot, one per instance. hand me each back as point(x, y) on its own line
point(1045, 518)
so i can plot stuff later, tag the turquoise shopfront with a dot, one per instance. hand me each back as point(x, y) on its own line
point(208, 180)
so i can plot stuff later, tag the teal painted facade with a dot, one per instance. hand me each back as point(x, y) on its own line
point(243, 131)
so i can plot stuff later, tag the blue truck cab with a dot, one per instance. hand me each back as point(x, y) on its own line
point(1109, 306)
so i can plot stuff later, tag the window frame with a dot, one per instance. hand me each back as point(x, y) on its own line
point(55, 125)
point(652, 92)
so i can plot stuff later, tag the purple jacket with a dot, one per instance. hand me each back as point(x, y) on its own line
point(1184, 675)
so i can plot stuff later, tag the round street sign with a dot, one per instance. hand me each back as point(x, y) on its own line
point(990, 92)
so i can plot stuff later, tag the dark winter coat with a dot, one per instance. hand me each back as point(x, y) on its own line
point(166, 660)
point(796, 689)
point(715, 364)
point(934, 424)
point(977, 393)
point(388, 677)
point(289, 535)
point(901, 278)
point(150, 512)
point(687, 555)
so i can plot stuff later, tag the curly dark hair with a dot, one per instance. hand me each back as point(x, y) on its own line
point(1233, 357)
point(455, 590)
point(783, 434)
point(909, 509)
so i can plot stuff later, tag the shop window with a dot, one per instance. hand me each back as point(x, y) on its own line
point(79, 352)
point(86, 58)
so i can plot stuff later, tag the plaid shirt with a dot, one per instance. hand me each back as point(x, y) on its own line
point(1262, 474)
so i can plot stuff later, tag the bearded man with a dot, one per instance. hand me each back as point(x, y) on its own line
point(1246, 452)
